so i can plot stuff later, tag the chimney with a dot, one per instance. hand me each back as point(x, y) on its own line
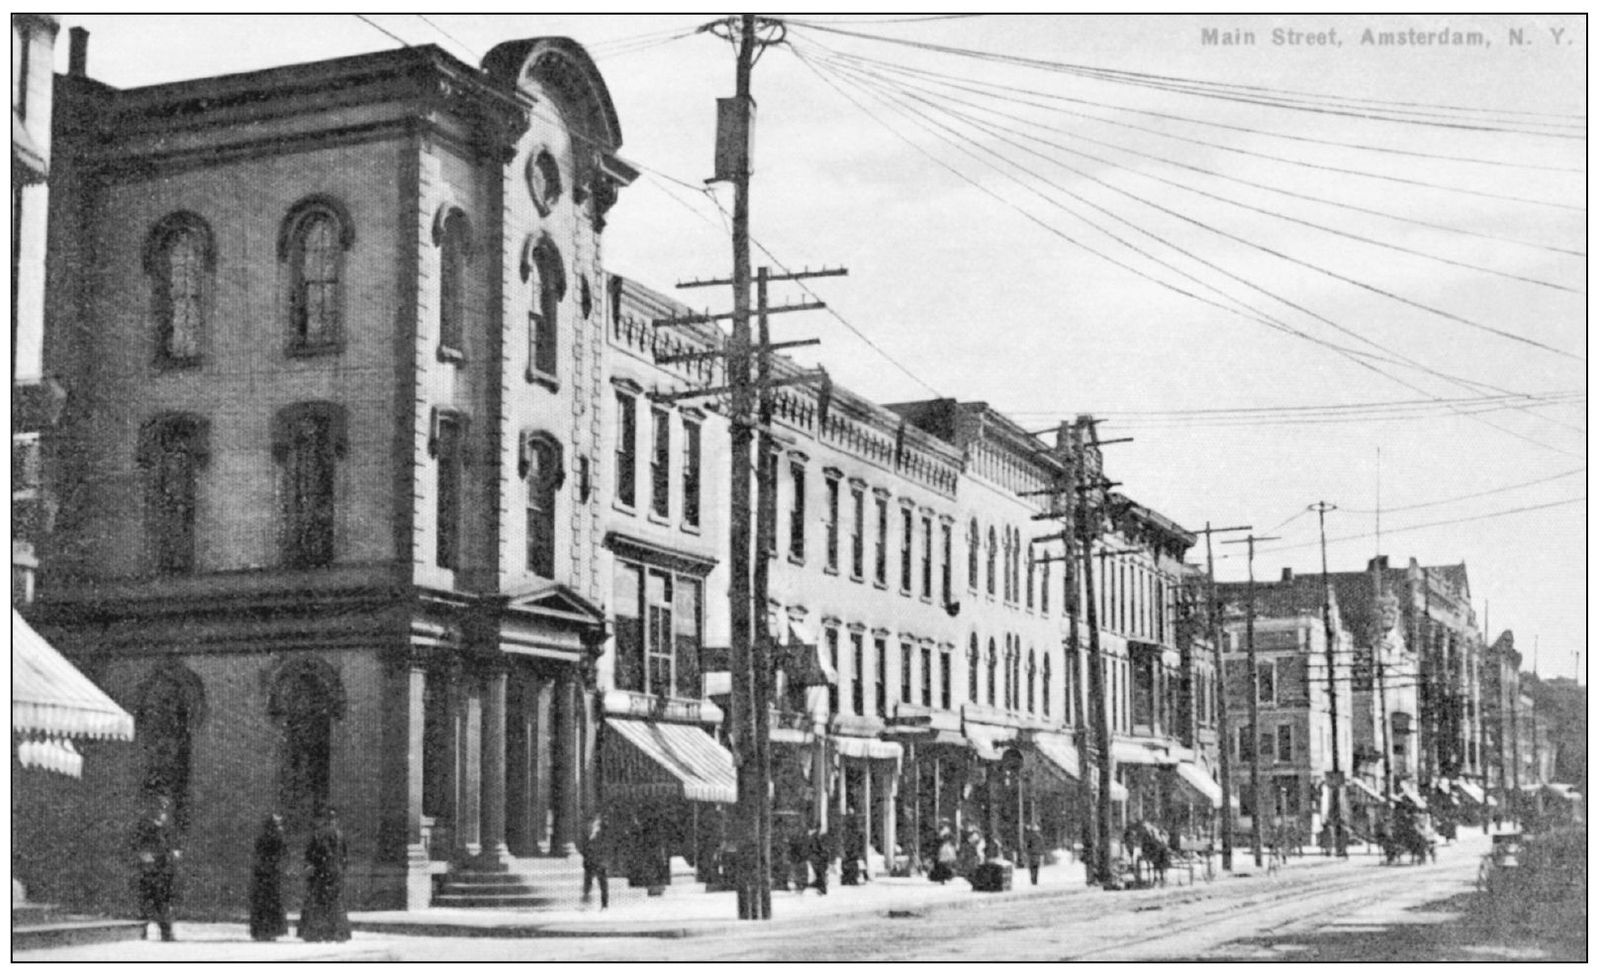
point(1379, 562)
point(78, 52)
point(1286, 575)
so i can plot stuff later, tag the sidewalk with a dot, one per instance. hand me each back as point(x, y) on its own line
point(685, 910)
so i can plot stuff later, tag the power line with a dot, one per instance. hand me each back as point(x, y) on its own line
point(1188, 86)
point(1391, 530)
point(889, 20)
point(1233, 202)
point(1351, 354)
point(382, 30)
point(1471, 495)
point(1165, 242)
point(1339, 406)
point(1282, 255)
point(472, 55)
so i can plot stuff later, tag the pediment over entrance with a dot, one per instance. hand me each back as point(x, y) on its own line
point(554, 601)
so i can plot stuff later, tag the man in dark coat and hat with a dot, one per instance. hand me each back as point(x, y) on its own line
point(323, 917)
point(156, 845)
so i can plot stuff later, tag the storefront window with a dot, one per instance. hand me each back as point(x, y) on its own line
point(657, 621)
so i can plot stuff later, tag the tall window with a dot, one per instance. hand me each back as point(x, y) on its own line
point(1029, 683)
point(692, 472)
point(1244, 749)
point(170, 706)
point(880, 673)
point(624, 457)
point(857, 526)
point(798, 512)
point(306, 704)
point(541, 461)
point(1265, 682)
point(928, 558)
point(906, 673)
point(173, 449)
point(831, 637)
point(1029, 580)
point(945, 679)
point(990, 675)
point(990, 563)
point(973, 554)
point(448, 502)
point(658, 622)
point(973, 668)
point(1006, 565)
point(544, 263)
point(945, 563)
point(316, 236)
point(307, 440)
point(1017, 566)
point(453, 239)
point(831, 548)
point(881, 539)
point(1045, 587)
point(180, 261)
point(770, 522)
point(858, 673)
point(926, 676)
point(1045, 683)
point(906, 550)
point(659, 462)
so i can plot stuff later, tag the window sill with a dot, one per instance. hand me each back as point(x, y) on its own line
point(660, 519)
point(449, 355)
point(832, 571)
point(624, 508)
point(926, 599)
point(880, 585)
point(694, 529)
point(316, 350)
point(856, 578)
point(164, 363)
point(797, 559)
point(544, 380)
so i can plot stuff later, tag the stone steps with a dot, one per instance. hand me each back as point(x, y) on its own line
point(530, 883)
point(43, 925)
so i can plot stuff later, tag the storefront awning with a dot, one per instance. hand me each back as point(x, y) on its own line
point(54, 754)
point(805, 663)
point(1366, 791)
point(1410, 794)
point(988, 741)
point(1126, 752)
point(1197, 778)
point(1058, 752)
point(53, 699)
point(865, 748)
point(1470, 790)
point(660, 760)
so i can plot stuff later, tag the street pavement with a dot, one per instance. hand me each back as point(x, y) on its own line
point(1358, 904)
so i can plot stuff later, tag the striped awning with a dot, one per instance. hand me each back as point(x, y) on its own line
point(1362, 788)
point(1470, 790)
point(660, 760)
point(1127, 752)
point(54, 754)
point(52, 699)
point(1197, 778)
point(988, 741)
point(865, 748)
point(1059, 753)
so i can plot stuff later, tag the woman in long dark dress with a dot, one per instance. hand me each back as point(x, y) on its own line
point(323, 918)
point(267, 920)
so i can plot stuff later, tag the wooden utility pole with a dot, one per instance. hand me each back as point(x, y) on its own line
point(1086, 526)
point(1251, 542)
point(1226, 761)
point(1336, 778)
point(1378, 662)
point(1068, 446)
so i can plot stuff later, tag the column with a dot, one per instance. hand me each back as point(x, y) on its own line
point(492, 852)
point(820, 782)
point(866, 818)
point(415, 681)
point(887, 808)
point(518, 788)
point(540, 735)
point(564, 837)
point(467, 818)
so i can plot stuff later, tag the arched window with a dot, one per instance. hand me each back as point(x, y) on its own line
point(1045, 587)
point(170, 707)
point(540, 465)
point(990, 563)
point(973, 554)
point(308, 439)
point(1006, 565)
point(544, 181)
point(453, 236)
point(973, 668)
point(306, 698)
point(180, 260)
point(543, 262)
point(1017, 565)
point(1029, 682)
point(173, 449)
point(448, 444)
point(315, 236)
point(990, 675)
point(1045, 684)
point(1029, 580)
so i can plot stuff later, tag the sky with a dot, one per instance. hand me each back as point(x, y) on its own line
point(1169, 248)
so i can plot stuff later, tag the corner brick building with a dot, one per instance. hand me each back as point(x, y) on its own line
point(331, 340)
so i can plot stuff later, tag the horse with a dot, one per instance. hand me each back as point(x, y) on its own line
point(1413, 837)
point(1148, 843)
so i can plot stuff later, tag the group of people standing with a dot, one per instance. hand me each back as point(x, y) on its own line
point(322, 917)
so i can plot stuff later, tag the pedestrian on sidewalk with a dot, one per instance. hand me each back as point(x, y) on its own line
point(596, 852)
point(323, 917)
point(156, 845)
point(267, 919)
point(945, 858)
point(1034, 848)
point(796, 853)
point(822, 854)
